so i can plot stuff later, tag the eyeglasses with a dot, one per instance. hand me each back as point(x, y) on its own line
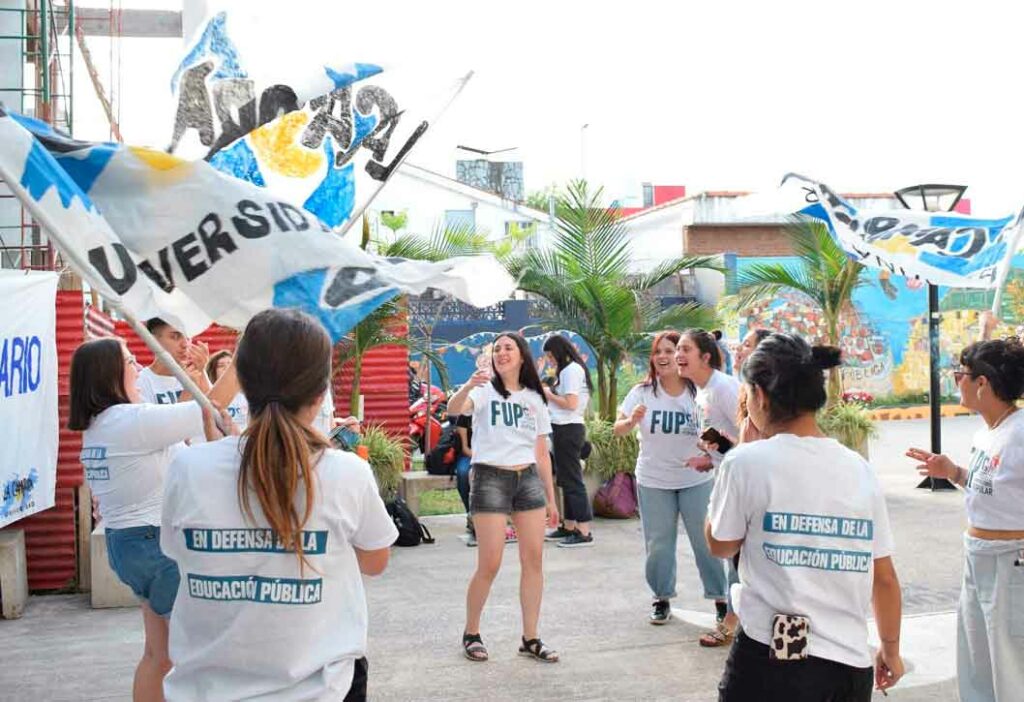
point(959, 375)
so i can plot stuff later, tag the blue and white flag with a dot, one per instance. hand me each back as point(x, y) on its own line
point(944, 248)
point(183, 241)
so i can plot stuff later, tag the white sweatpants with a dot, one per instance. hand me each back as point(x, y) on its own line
point(990, 622)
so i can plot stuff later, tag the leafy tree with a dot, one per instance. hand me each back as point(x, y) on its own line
point(586, 279)
point(823, 273)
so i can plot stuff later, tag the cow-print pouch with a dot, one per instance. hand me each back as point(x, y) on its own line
point(790, 634)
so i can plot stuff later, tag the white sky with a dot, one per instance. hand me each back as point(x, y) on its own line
point(724, 95)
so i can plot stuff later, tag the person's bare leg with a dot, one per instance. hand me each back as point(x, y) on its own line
point(148, 685)
point(490, 537)
point(530, 527)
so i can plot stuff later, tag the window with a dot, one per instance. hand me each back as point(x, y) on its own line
point(460, 219)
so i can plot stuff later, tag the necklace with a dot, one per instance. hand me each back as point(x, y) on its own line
point(1005, 414)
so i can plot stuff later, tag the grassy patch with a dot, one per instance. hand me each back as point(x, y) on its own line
point(440, 502)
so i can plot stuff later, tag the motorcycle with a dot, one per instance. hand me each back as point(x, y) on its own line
point(429, 409)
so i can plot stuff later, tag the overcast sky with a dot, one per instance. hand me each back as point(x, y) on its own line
point(865, 96)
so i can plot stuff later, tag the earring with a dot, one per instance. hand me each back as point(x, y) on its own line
point(978, 394)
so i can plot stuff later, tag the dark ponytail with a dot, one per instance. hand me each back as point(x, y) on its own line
point(791, 373)
point(283, 364)
point(1002, 362)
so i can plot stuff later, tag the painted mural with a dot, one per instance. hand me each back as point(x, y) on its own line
point(885, 341)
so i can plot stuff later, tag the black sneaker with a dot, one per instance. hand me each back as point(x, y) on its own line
point(558, 534)
point(576, 540)
point(661, 612)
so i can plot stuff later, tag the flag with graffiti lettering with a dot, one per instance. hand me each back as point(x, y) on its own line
point(944, 248)
point(28, 393)
point(180, 240)
point(325, 135)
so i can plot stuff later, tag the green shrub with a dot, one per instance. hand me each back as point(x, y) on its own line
point(387, 458)
point(849, 423)
point(610, 454)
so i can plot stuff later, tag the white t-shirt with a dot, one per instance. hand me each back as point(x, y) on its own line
point(126, 450)
point(163, 390)
point(571, 381)
point(324, 421)
point(814, 520)
point(995, 476)
point(505, 431)
point(239, 410)
point(718, 402)
point(247, 623)
point(158, 389)
point(669, 433)
point(325, 417)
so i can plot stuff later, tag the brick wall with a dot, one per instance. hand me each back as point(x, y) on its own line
point(761, 240)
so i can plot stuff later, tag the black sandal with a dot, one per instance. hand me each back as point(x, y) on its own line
point(473, 647)
point(537, 649)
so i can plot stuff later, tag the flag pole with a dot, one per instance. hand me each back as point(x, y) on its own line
point(1006, 265)
point(87, 273)
point(402, 155)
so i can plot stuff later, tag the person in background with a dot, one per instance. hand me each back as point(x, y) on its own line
point(216, 367)
point(699, 362)
point(568, 400)
point(511, 476)
point(990, 623)
point(157, 384)
point(126, 447)
point(273, 531)
point(664, 410)
point(463, 464)
point(811, 519)
point(723, 349)
point(747, 430)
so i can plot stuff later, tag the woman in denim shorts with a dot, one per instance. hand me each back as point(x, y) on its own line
point(126, 446)
point(511, 475)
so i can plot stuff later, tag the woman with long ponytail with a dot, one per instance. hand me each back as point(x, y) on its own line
point(272, 531)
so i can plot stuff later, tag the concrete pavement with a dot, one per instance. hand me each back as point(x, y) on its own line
point(594, 613)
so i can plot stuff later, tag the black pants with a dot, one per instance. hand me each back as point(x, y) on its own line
point(751, 675)
point(568, 442)
point(357, 693)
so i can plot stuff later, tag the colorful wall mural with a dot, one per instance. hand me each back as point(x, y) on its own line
point(885, 343)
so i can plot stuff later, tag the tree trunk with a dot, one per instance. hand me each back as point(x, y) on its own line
point(835, 378)
point(613, 392)
point(602, 387)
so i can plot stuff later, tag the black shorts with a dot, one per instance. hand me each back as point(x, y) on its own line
point(504, 491)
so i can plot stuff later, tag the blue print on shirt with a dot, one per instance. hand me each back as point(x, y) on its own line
point(672, 422)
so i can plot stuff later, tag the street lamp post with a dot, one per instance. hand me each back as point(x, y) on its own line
point(933, 198)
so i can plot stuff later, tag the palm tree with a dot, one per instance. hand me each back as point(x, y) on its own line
point(823, 273)
point(585, 277)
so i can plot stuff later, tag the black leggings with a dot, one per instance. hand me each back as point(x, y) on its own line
point(568, 443)
point(751, 675)
point(357, 692)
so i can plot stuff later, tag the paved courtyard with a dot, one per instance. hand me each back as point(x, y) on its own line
point(594, 613)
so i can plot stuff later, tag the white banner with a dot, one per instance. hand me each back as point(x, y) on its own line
point(941, 248)
point(28, 393)
point(182, 241)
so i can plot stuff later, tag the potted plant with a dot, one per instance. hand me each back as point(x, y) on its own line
point(386, 458)
point(849, 423)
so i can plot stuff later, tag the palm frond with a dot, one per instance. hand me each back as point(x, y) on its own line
point(667, 269)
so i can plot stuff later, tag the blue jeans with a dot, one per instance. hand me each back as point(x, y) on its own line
point(462, 466)
point(660, 511)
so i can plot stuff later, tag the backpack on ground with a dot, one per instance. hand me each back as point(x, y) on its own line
point(616, 499)
point(441, 459)
point(410, 531)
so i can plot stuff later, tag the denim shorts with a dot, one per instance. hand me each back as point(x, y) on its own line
point(135, 556)
point(504, 491)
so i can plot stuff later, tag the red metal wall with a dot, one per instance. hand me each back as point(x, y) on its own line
point(50, 535)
